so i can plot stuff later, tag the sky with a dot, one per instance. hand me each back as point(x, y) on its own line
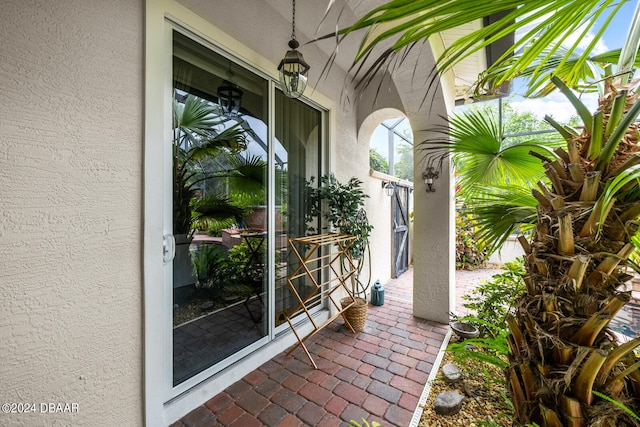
point(380, 138)
point(555, 104)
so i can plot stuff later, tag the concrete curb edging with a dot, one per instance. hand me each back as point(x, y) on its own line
point(417, 414)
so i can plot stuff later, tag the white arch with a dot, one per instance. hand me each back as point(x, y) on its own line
point(373, 120)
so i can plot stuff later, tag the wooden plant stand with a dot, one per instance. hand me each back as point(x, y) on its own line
point(326, 265)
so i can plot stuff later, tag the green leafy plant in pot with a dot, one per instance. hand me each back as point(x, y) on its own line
point(201, 135)
point(342, 208)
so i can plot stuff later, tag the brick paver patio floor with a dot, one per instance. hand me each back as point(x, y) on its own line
point(377, 374)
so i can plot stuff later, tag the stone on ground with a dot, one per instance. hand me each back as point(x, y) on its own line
point(448, 403)
point(451, 372)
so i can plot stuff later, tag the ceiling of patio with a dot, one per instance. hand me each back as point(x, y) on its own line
point(310, 25)
point(316, 18)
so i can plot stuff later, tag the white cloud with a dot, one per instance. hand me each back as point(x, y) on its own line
point(554, 105)
point(530, 26)
point(584, 41)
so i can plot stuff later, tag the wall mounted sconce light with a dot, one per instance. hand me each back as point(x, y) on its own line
point(428, 177)
point(293, 68)
point(389, 188)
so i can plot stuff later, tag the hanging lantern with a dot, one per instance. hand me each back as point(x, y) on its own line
point(229, 98)
point(293, 68)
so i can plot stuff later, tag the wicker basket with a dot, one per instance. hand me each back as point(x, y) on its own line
point(356, 315)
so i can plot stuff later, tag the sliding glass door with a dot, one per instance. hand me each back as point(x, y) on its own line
point(220, 158)
point(298, 133)
point(243, 157)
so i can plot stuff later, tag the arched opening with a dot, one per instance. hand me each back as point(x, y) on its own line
point(391, 148)
point(387, 135)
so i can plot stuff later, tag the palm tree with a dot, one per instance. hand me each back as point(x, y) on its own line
point(586, 207)
point(584, 210)
point(494, 174)
point(561, 349)
point(201, 135)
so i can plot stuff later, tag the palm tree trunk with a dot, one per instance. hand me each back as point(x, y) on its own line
point(575, 264)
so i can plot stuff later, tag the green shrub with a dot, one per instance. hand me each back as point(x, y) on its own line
point(213, 271)
point(248, 269)
point(340, 205)
point(491, 302)
point(214, 227)
point(470, 250)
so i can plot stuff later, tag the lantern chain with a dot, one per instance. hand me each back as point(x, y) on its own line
point(293, 22)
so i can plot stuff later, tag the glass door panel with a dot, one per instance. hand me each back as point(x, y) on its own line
point(220, 159)
point(298, 141)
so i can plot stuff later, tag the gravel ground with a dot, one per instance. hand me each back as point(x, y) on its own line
point(483, 386)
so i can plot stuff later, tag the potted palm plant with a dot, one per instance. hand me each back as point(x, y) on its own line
point(341, 205)
point(202, 135)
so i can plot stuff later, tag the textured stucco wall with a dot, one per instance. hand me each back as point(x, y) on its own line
point(434, 228)
point(70, 220)
point(378, 207)
point(433, 252)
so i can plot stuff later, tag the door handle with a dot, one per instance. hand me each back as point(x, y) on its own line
point(168, 248)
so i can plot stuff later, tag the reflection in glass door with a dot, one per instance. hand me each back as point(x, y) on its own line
point(298, 142)
point(220, 169)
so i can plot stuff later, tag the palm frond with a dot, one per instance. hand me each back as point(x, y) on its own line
point(616, 136)
point(612, 57)
point(201, 136)
point(233, 138)
point(219, 208)
point(399, 25)
point(501, 211)
point(616, 185)
point(197, 115)
point(581, 109)
point(482, 156)
point(249, 174)
point(577, 73)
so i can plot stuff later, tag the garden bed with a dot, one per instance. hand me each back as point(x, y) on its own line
point(485, 402)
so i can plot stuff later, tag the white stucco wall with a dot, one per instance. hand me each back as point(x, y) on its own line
point(379, 215)
point(433, 253)
point(510, 250)
point(71, 184)
point(70, 223)
point(433, 226)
